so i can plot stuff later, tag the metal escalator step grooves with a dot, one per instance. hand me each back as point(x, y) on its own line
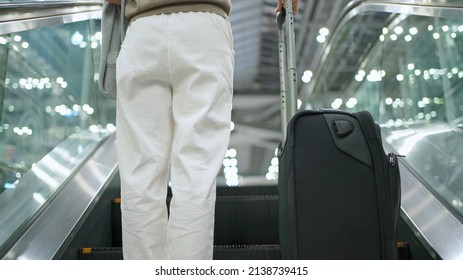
point(246, 220)
point(247, 252)
point(246, 216)
point(243, 216)
point(103, 253)
point(226, 252)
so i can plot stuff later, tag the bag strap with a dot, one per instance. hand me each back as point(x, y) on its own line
point(379, 163)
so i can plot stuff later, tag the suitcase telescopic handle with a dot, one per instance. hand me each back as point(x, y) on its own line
point(287, 62)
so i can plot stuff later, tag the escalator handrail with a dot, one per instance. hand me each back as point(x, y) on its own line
point(45, 4)
point(17, 17)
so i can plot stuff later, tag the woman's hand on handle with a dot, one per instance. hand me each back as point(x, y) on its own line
point(281, 3)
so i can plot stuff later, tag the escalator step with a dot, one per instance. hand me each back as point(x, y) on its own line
point(243, 216)
point(246, 220)
point(226, 252)
point(105, 253)
point(247, 252)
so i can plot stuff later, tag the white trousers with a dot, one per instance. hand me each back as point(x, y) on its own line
point(174, 79)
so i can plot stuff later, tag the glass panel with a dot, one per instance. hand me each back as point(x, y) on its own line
point(49, 102)
point(422, 100)
point(407, 70)
point(337, 85)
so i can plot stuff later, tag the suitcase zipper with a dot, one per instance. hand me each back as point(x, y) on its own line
point(393, 158)
point(394, 184)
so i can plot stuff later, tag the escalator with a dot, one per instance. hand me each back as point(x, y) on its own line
point(58, 169)
point(246, 227)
